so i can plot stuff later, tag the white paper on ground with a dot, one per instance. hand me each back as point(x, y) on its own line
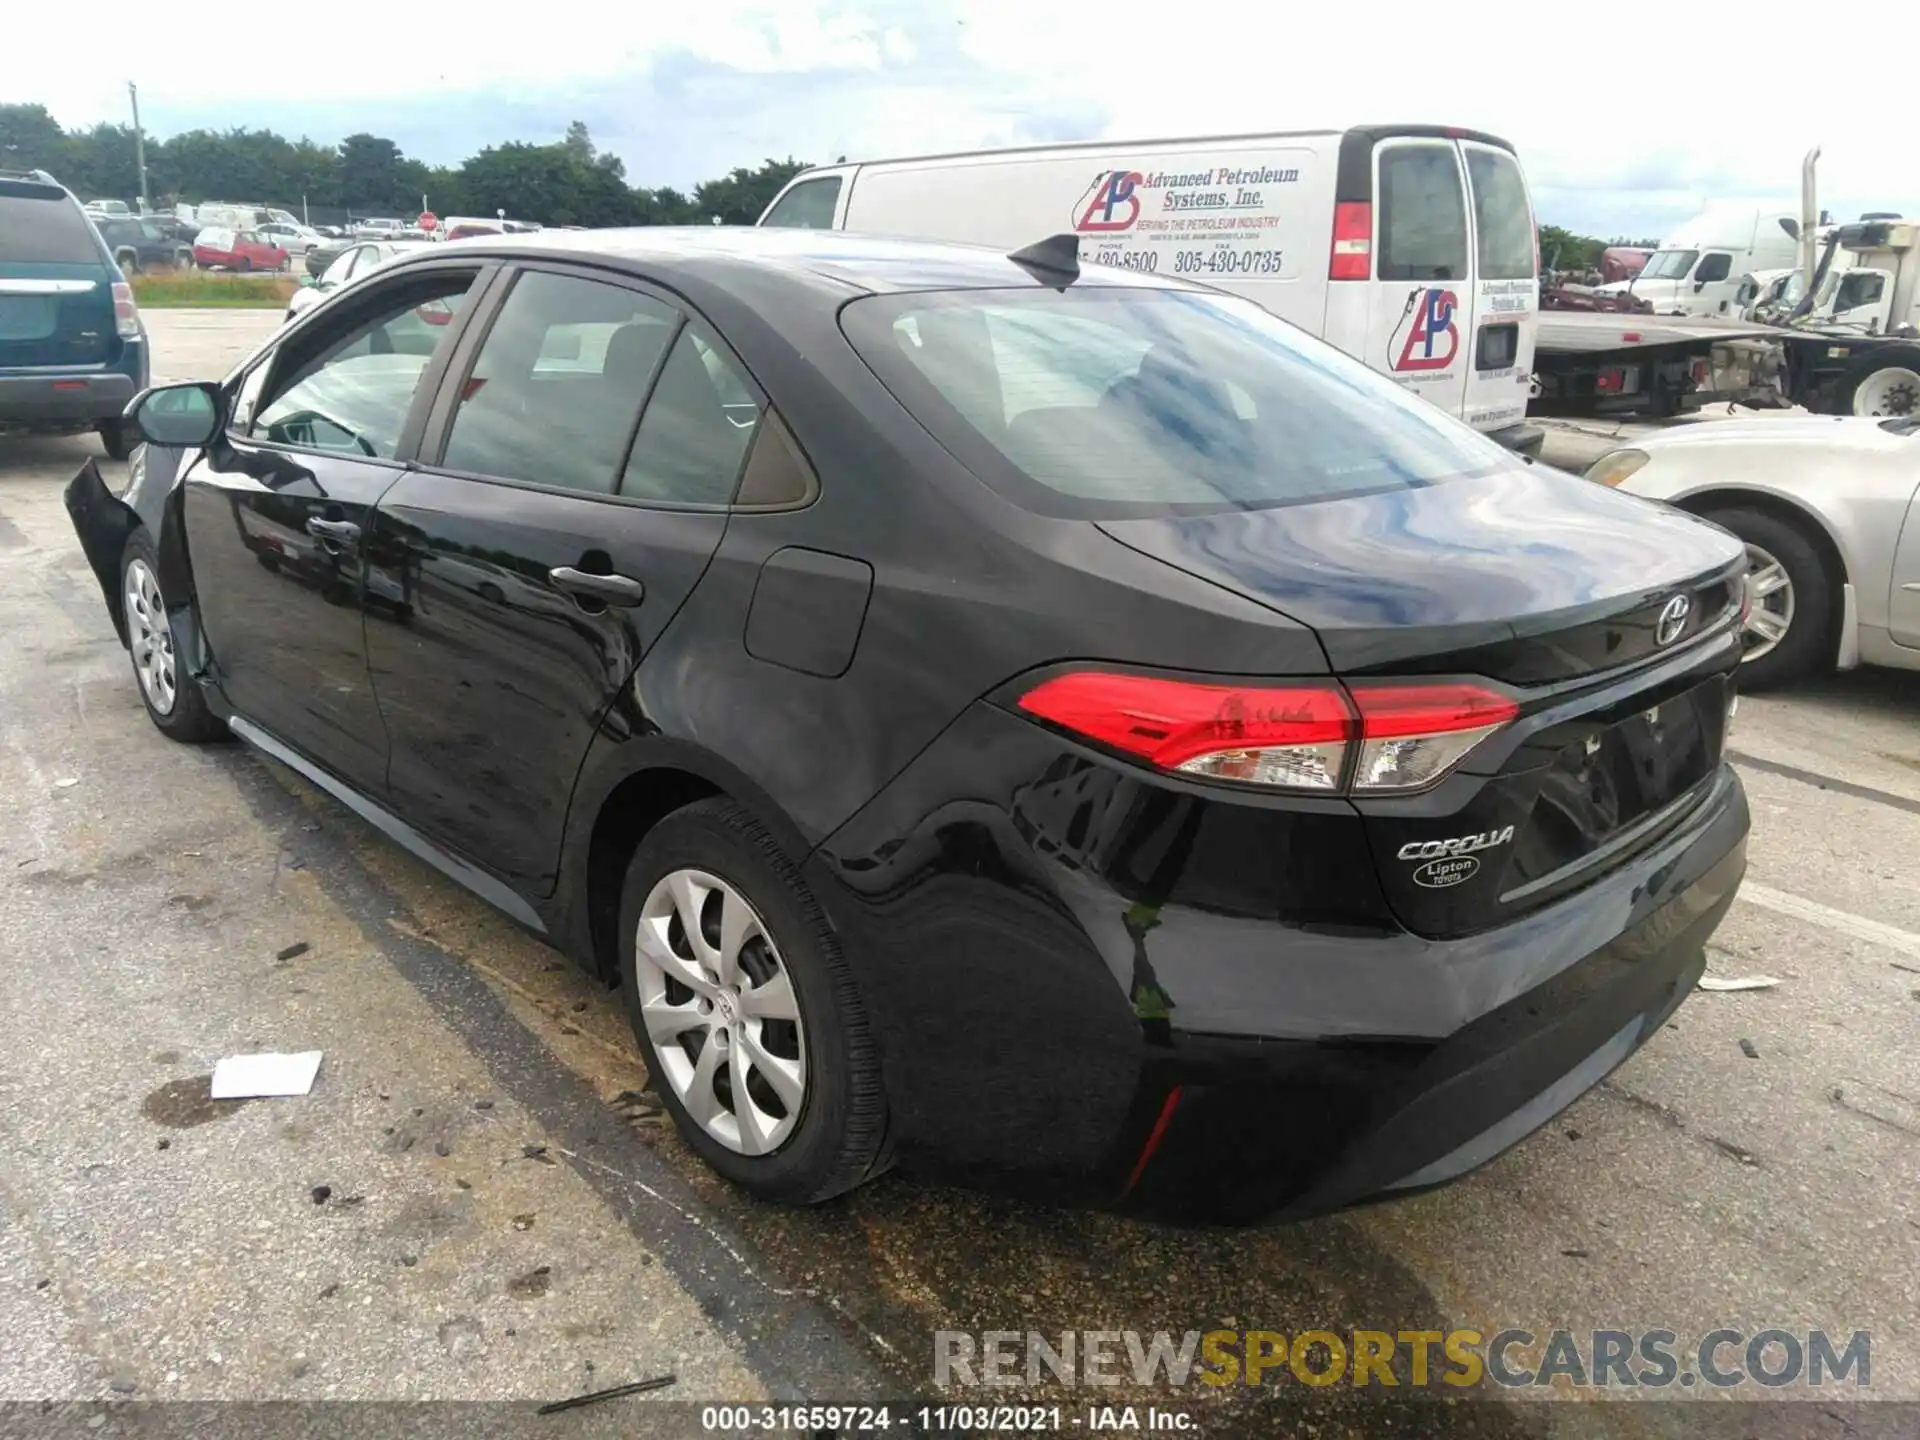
point(1741, 982)
point(248, 1077)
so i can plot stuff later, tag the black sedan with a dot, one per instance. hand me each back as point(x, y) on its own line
point(1055, 728)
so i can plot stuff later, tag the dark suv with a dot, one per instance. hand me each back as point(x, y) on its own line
point(139, 244)
point(72, 349)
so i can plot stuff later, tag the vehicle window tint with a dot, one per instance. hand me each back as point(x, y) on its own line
point(699, 422)
point(350, 391)
point(1669, 264)
point(1501, 215)
point(1716, 266)
point(807, 206)
point(1862, 287)
point(1298, 420)
point(39, 225)
point(556, 389)
point(1423, 214)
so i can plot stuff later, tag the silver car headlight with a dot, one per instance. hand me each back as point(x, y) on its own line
point(1616, 466)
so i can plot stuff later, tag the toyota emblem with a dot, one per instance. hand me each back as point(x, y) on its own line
point(1673, 620)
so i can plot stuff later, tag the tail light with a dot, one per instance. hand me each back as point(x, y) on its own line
point(1313, 735)
point(126, 315)
point(1352, 257)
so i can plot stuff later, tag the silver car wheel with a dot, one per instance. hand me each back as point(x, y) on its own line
point(1892, 391)
point(719, 1006)
point(1770, 615)
point(150, 638)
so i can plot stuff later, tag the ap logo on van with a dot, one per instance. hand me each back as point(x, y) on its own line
point(1426, 337)
point(1111, 203)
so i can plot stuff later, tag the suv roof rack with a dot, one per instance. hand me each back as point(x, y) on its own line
point(42, 176)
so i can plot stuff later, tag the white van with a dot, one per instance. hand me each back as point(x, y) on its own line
point(1698, 269)
point(1411, 247)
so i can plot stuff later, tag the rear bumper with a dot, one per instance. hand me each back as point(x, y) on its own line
point(1097, 987)
point(1406, 1117)
point(67, 398)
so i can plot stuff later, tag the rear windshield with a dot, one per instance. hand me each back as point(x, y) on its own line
point(1501, 215)
point(39, 226)
point(1118, 402)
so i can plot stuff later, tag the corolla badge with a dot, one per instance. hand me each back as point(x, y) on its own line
point(1673, 620)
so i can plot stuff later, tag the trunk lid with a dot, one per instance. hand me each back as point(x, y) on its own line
point(1554, 589)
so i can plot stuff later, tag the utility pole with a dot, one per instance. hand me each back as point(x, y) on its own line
point(139, 144)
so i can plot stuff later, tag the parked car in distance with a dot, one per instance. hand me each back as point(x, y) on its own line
point(375, 227)
point(464, 227)
point(115, 209)
point(217, 247)
point(73, 350)
point(293, 238)
point(1063, 728)
point(350, 264)
point(1828, 508)
point(143, 244)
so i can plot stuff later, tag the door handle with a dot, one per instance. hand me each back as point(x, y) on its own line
point(609, 589)
point(343, 530)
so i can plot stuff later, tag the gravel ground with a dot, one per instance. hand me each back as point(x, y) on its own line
point(500, 1223)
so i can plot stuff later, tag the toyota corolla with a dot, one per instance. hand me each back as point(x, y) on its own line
point(1057, 728)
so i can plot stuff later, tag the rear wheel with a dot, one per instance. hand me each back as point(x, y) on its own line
point(746, 1011)
point(173, 700)
point(116, 439)
point(1886, 385)
point(1790, 623)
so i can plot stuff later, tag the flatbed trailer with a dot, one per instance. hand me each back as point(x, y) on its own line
point(1601, 363)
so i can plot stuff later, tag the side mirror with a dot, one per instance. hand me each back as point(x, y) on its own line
point(180, 416)
point(1698, 286)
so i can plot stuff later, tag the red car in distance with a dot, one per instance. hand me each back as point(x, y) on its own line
point(236, 250)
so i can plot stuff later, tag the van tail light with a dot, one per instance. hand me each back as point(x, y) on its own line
point(1352, 257)
point(126, 315)
point(1299, 736)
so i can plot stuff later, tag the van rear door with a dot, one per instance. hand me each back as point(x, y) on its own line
point(1419, 305)
point(1506, 289)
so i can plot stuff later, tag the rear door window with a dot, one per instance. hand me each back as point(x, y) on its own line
point(699, 424)
point(554, 395)
point(1502, 218)
point(807, 206)
point(40, 225)
point(1423, 214)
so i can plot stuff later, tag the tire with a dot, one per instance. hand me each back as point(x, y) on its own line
point(1883, 383)
point(115, 439)
point(1806, 603)
point(177, 708)
point(833, 1138)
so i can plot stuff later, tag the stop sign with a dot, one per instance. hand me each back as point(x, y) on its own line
point(428, 221)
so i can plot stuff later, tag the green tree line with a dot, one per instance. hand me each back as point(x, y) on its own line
point(569, 182)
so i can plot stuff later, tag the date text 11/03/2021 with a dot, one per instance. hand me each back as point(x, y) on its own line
point(912, 1418)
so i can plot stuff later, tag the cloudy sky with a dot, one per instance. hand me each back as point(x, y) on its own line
point(687, 89)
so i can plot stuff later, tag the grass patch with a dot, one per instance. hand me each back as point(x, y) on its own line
point(192, 288)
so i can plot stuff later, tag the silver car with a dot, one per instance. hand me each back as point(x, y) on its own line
point(1829, 508)
point(349, 264)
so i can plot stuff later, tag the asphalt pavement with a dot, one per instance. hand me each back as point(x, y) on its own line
point(478, 1201)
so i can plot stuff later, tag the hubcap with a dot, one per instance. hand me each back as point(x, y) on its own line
point(719, 1007)
point(1893, 391)
point(150, 638)
point(1771, 591)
